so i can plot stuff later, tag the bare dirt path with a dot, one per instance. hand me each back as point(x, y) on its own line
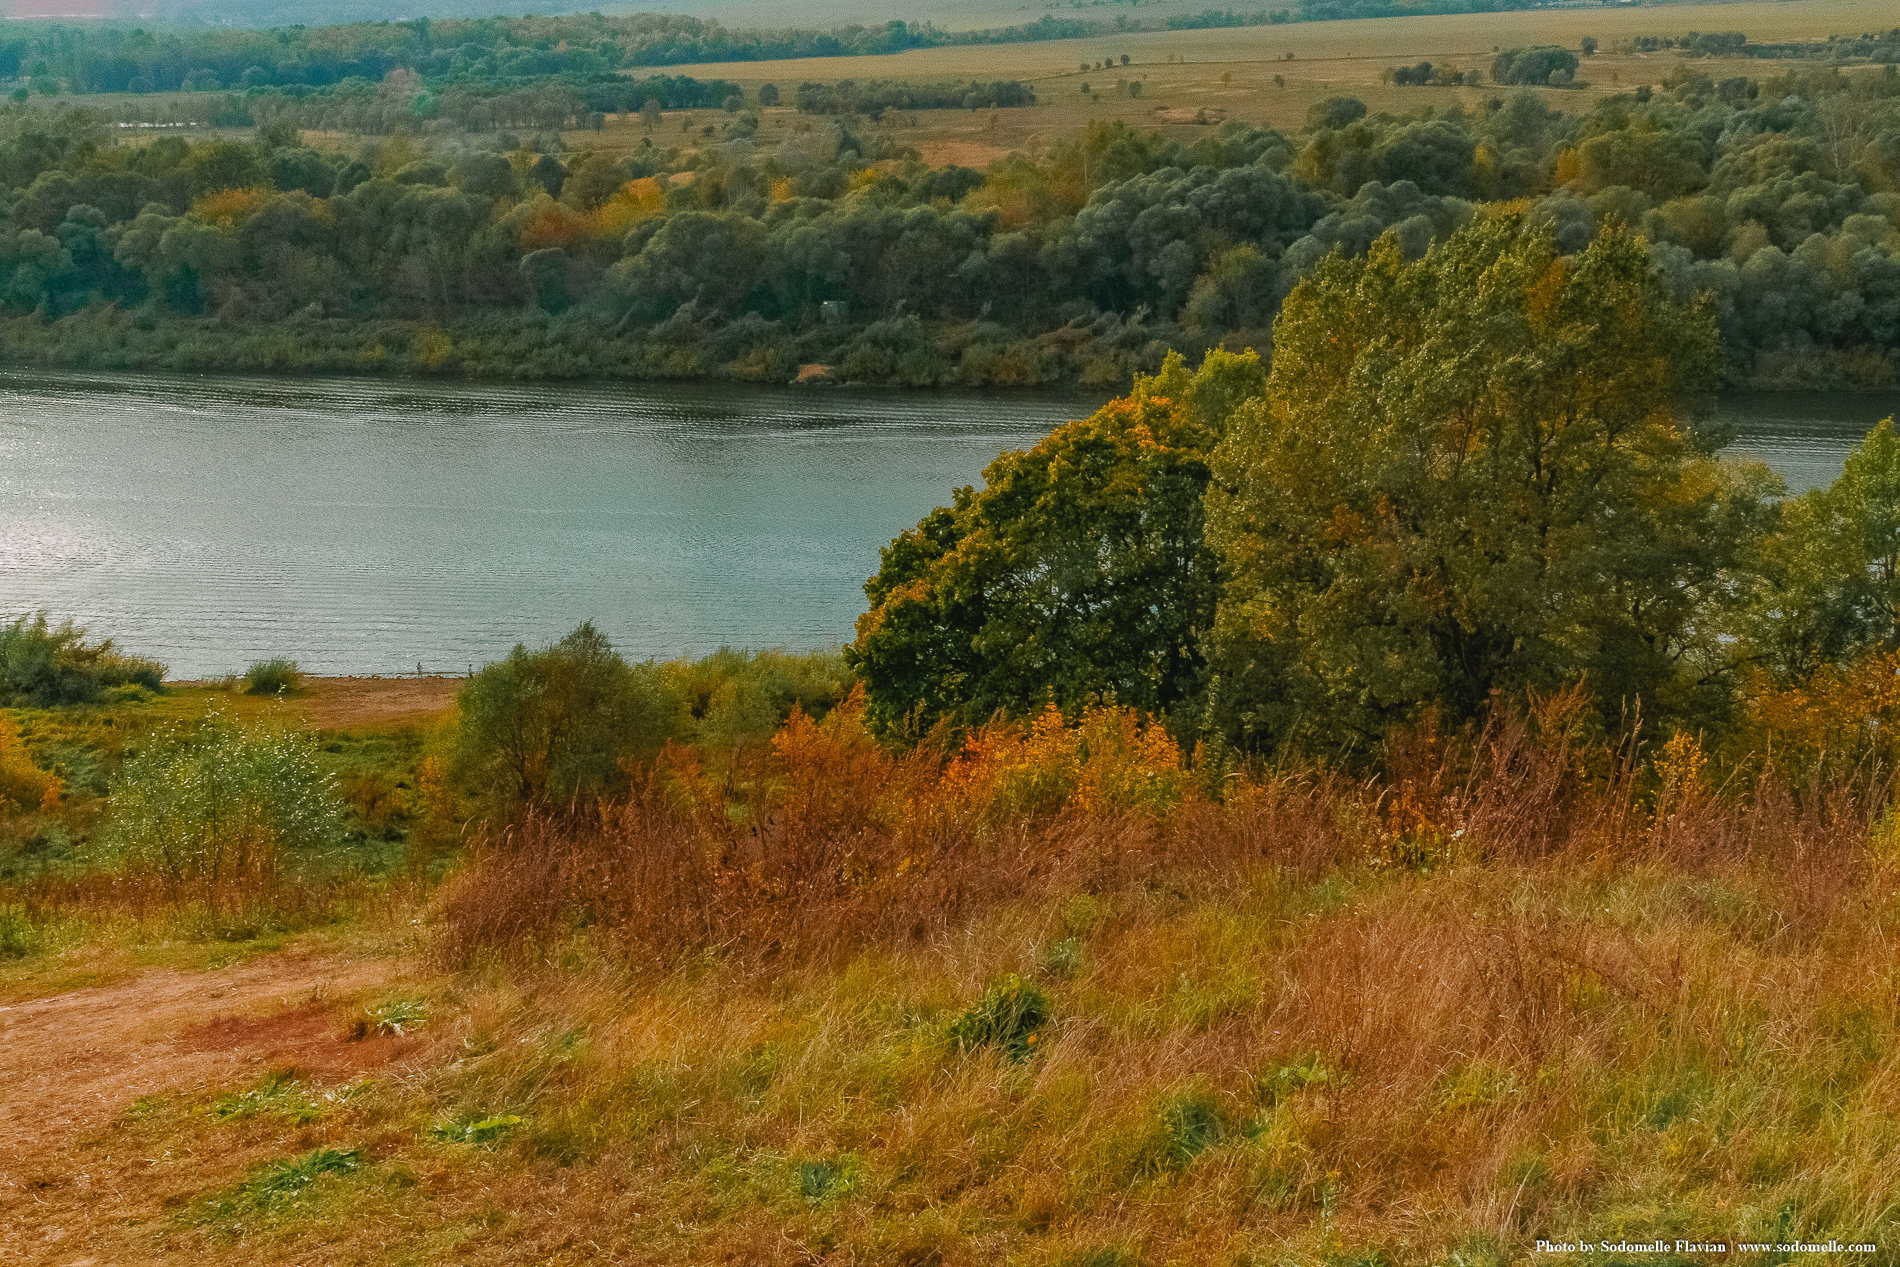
point(72, 1065)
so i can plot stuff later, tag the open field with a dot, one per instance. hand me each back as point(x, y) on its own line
point(1190, 76)
point(1192, 79)
point(1798, 17)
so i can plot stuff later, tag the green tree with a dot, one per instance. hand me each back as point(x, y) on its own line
point(1235, 293)
point(1077, 572)
point(1830, 582)
point(552, 725)
point(1471, 476)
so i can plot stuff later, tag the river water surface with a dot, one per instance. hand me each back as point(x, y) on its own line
point(371, 526)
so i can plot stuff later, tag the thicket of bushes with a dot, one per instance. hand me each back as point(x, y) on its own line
point(42, 664)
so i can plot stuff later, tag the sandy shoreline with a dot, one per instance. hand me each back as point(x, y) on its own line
point(332, 702)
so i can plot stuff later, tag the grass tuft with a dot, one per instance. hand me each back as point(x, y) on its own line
point(272, 677)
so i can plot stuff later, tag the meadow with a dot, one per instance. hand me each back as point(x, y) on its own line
point(1231, 72)
point(1049, 998)
point(1266, 75)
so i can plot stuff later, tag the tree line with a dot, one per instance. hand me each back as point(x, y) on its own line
point(90, 59)
point(1470, 484)
point(760, 249)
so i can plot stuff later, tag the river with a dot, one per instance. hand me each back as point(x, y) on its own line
point(374, 526)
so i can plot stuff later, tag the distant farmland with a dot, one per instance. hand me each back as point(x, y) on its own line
point(1193, 79)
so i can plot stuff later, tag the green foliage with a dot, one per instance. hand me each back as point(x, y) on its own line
point(272, 677)
point(733, 698)
point(394, 1018)
point(557, 724)
point(1469, 479)
point(1191, 1123)
point(1545, 64)
point(1009, 1017)
point(42, 665)
point(19, 935)
point(217, 805)
point(475, 1128)
point(283, 1182)
point(1078, 572)
point(1061, 959)
point(1101, 1256)
point(873, 97)
point(1087, 265)
point(1285, 1081)
point(277, 1094)
point(1829, 590)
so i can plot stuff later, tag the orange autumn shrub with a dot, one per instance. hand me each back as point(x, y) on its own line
point(1112, 759)
point(556, 224)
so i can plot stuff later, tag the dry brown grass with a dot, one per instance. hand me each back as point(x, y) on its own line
point(1519, 986)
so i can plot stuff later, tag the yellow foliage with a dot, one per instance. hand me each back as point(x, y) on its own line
point(227, 206)
point(1838, 716)
point(1112, 759)
point(864, 178)
point(432, 788)
point(432, 349)
point(1679, 767)
point(23, 785)
point(1569, 167)
point(558, 225)
point(637, 200)
point(784, 189)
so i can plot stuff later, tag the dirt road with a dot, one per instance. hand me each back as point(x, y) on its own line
point(73, 1188)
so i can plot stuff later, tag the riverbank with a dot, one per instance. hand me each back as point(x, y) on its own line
point(1100, 354)
point(529, 344)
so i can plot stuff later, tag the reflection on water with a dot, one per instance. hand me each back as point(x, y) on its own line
point(1804, 435)
point(368, 526)
point(363, 526)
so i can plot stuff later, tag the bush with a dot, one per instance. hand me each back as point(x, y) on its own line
point(272, 677)
point(1009, 1016)
point(42, 665)
point(559, 724)
point(219, 807)
point(731, 698)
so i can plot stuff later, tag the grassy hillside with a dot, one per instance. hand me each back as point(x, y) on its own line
point(1048, 1002)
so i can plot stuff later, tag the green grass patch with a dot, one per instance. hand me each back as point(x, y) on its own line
point(475, 1128)
point(277, 1095)
point(1009, 1017)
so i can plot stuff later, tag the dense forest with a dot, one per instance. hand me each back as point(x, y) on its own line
point(823, 240)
